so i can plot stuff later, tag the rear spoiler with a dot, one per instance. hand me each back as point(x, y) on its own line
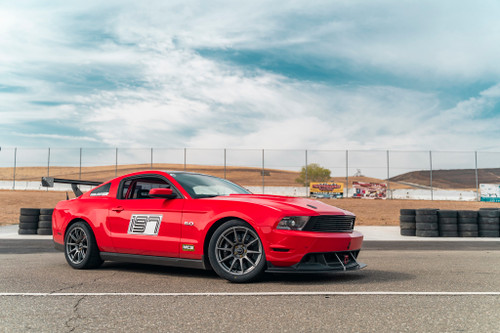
point(50, 181)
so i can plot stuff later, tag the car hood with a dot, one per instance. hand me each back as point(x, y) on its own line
point(288, 205)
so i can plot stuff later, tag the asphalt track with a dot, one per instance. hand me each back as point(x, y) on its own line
point(407, 287)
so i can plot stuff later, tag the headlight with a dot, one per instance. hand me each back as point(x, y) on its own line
point(293, 222)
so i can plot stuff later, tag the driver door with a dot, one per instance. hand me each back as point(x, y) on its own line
point(143, 225)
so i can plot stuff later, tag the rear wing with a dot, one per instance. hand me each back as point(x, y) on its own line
point(50, 181)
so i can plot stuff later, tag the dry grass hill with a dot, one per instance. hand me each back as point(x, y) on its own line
point(451, 179)
point(246, 176)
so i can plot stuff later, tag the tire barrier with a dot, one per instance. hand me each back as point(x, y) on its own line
point(33, 221)
point(28, 221)
point(426, 222)
point(45, 221)
point(448, 223)
point(488, 222)
point(407, 222)
point(430, 222)
point(467, 223)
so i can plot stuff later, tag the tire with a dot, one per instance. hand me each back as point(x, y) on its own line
point(408, 232)
point(426, 211)
point(448, 234)
point(467, 220)
point(80, 247)
point(44, 231)
point(45, 225)
point(488, 227)
point(447, 214)
point(407, 212)
point(28, 219)
point(26, 231)
point(488, 220)
point(448, 227)
point(45, 218)
point(25, 225)
point(489, 233)
point(426, 218)
point(489, 213)
point(46, 211)
point(30, 211)
point(230, 264)
point(448, 220)
point(467, 214)
point(427, 226)
point(407, 218)
point(468, 227)
point(468, 234)
point(427, 233)
point(408, 225)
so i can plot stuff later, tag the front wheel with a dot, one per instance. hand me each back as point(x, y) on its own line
point(236, 252)
point(80, 247)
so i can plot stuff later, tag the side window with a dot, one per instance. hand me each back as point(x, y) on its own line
point(125, 189)
point(101, 191)
point(139, 188)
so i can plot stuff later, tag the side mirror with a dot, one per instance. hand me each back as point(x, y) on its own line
point(166, 193)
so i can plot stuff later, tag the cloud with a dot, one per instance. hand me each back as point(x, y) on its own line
point(372, 75)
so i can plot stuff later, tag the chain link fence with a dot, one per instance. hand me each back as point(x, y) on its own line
point(265, 170)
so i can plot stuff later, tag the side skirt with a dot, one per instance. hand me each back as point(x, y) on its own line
point(152, 260)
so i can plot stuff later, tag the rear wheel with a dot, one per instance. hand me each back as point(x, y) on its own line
point(236, 252)
point(80, 247)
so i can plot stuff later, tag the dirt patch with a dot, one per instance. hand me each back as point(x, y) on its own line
point(368, 212)
point(12, 201)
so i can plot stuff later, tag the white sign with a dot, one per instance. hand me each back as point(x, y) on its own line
point(490, 192)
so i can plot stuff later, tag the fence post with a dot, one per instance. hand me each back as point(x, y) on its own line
point(347, 173)
point(225, 163)
point(388, 175)
point(80, 172)
point(430, 162)
point(15, 164)
point(263, 173)
point(478, 197)
point(185, 157)
point(48, 164)
point(116, 162)
point(151, 158)
point(306, 184)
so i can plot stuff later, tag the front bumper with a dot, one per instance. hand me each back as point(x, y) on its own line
point(321, 262)
point(286, 248)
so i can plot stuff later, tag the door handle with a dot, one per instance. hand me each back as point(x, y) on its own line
point(117, 209)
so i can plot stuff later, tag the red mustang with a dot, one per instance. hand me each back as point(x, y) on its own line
point(200, 221)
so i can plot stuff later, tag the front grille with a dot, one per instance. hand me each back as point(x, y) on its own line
point(331, 223)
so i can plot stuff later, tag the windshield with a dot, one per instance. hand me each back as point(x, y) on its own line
point(203, 186)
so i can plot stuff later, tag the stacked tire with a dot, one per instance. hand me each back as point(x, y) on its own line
point(426, 222)
point(467, 223)
point(28, 221)
point(407, 222)
point(45, 221)
point(448, 223)
point(488, 222)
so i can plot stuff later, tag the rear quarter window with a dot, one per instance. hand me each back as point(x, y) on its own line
point(101, 191)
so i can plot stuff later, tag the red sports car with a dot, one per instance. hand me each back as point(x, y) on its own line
point(199, 221)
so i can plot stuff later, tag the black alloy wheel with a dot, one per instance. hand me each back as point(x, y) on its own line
point(80, 247)
point(236, 252)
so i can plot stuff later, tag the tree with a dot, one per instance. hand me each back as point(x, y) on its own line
point(315, 173)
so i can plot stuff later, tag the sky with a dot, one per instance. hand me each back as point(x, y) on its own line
point(373, 74)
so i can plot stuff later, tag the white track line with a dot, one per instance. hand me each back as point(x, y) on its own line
point(292, 293)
